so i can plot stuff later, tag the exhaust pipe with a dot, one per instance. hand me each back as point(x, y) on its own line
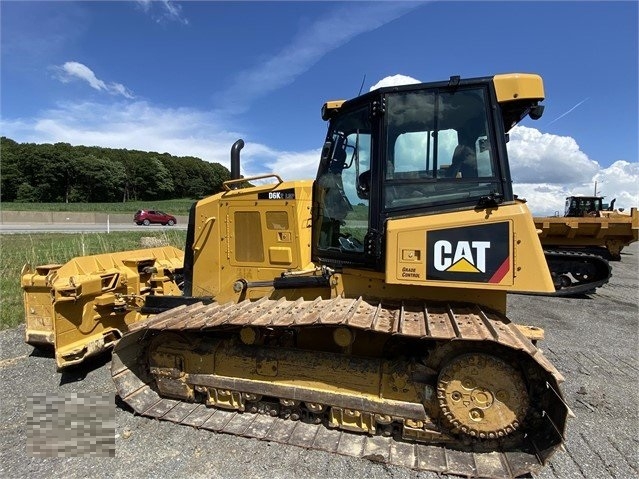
point(235, 159)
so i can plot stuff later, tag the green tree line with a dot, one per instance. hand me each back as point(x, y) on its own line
point(62, 173)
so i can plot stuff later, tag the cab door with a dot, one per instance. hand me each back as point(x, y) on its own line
point(342, 190)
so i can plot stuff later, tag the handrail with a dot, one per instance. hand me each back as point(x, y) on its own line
point(197, 244)
point(250, 178)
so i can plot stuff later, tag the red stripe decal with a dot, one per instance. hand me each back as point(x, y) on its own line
point(501, 272)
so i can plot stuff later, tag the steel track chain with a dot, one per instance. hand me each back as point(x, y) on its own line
point(439, 321)
point(601, 265)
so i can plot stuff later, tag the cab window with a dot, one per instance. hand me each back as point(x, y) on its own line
point(438, 150)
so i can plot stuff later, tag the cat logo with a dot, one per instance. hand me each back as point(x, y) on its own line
point(469, 257)
point(469, 254)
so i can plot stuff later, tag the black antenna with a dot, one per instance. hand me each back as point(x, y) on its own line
point(362, 85)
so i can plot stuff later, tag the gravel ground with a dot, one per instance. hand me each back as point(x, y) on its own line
point(592, 341)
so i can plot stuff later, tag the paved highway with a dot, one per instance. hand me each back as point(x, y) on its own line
point(15, 228)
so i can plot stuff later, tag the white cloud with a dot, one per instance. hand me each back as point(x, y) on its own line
point(145, 4)
point(547, 168)
point(292, 165)
point(75, 70)
point(394, 80)
point(309, 46)
point(133, 125)
point(618, 181)
point(538, 157)
point(168, 11)
point(141, 126)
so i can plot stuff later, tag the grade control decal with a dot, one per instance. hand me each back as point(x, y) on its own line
point(410, 273)
point(469, 254)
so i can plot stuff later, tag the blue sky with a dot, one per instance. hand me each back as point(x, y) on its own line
point(189, 78)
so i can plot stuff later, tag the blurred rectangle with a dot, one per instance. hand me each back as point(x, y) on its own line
point(71, 425)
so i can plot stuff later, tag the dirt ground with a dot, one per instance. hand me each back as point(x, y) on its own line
point(592, 341)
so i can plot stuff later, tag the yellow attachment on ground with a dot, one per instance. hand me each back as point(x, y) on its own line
point(83, 306)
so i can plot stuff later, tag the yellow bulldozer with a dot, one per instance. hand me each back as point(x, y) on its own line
point(579, 244)
point(362, 313)
point(590, 225)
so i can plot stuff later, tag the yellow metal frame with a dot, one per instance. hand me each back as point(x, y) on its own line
point(527, 272)
point(85, 305)
point(218, 265)
point(611, 230)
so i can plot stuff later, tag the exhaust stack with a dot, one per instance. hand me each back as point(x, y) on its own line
point(235, 159)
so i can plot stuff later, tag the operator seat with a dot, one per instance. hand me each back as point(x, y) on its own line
point(464, 162)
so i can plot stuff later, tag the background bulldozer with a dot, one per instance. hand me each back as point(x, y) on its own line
point(363, 312)
point(579, 244)
point(590, 225)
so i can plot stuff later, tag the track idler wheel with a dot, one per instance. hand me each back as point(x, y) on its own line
point(563, 281)
point(481, 396)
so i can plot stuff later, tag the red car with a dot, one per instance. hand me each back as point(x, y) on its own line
point(146, 217)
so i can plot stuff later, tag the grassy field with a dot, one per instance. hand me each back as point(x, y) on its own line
point(174, 207)
point(16, 250)
point(45, 248)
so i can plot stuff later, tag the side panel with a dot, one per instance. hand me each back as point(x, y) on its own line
point(253, 235)
point(487, 249)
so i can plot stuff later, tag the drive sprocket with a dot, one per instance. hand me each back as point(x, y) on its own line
point(482, 396)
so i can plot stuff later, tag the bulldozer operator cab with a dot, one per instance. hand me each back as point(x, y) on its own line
point(406, 151)
point(577, 206)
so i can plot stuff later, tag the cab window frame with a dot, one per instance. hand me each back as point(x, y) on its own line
point(430, 186)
